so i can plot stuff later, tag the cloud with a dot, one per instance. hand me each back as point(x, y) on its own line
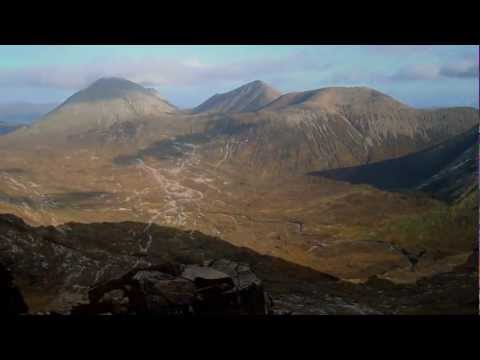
point(460, 69)
point(465, 69)
point(395, 49)
point(159, 71)
point(416, 72)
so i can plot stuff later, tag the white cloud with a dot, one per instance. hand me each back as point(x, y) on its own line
point(467, 68)
point(417, 72)
point(462, 69)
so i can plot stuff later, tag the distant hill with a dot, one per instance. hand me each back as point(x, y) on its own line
point(23, 112)
point(249, 97)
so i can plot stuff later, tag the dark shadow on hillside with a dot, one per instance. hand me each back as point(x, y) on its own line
point(77, 254)
point(164, 149)
point(89, 199)
point(95, 246)
point(85, 199)
point(408, 171)
point(14, 171)
point(182, 145)
point(16, 200)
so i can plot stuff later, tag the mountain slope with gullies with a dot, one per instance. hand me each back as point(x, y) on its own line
point(332, 128)
point(106, 102)
point(295, 134)
point(249, 97)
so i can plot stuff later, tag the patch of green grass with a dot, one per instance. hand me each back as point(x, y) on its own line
point(444, 228)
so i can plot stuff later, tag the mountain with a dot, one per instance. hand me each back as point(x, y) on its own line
point(23, 112)
point(295, 134)
point(323, 129)
point(249, 97)
point(106, 102)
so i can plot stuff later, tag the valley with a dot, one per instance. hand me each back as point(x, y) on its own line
point(317, 179)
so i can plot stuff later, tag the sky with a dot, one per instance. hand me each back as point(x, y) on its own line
point(418, 75)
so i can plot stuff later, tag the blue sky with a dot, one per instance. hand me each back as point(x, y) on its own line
point(421, 76)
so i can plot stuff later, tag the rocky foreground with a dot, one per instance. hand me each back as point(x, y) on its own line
point(118, 268)
point(215, 288)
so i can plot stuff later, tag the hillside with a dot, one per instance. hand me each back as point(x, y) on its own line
point(54, 268)
point(433, 170)
point(297, 139)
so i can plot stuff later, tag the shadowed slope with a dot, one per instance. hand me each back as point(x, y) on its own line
point(412, 170)
point(55, 267)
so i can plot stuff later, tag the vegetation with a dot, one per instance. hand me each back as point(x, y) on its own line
point(444, 228)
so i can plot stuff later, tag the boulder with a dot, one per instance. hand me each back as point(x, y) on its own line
point(190, 289)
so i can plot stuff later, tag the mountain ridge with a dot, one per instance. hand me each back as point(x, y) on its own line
point(330, 98)
point(298, 132)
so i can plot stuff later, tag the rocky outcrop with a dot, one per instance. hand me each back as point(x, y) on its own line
point(217, 287)
point(11, 299)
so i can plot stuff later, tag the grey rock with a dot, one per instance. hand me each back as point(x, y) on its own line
point(196, 290)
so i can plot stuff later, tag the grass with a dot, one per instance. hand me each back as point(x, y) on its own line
point(444, 228)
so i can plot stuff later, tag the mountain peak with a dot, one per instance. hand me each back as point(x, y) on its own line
point(256, 83)
point(107, 101)
point(107, 88)
point(116, 82)
point(332, 98)
point(249, 97)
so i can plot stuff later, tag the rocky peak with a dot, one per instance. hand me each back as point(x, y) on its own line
point(248, 97)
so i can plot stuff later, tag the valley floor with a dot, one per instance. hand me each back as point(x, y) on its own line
point(349, 231)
